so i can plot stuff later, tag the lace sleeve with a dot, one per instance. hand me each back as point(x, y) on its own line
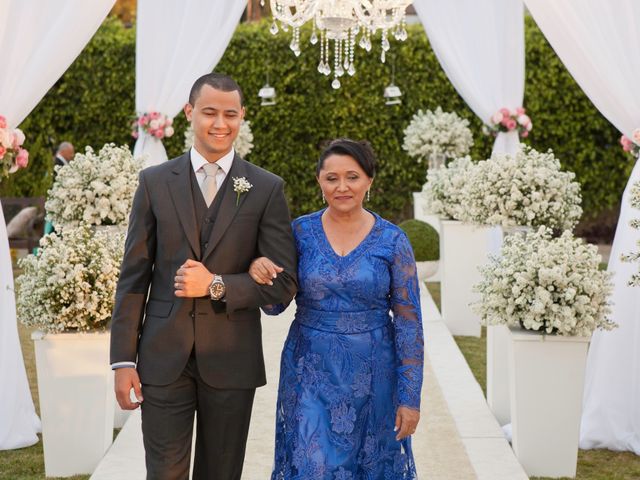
point(407, 320)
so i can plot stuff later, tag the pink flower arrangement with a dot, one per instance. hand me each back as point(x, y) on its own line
point(631, 145)
point(153, 123)
point(505, 120)
point(12, 156)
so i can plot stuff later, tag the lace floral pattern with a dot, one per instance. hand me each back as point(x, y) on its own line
point(347, 363)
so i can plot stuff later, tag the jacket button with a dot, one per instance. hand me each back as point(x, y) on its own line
point(192, 314)
point(207, 220)
point(205, 245)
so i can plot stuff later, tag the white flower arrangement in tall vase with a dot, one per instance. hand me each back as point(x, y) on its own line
point(436, 136)
point(67, 290)
point(552, 294)
point(94, 189)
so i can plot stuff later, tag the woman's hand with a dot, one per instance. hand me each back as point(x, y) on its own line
point(406, 422)
point(263, 271)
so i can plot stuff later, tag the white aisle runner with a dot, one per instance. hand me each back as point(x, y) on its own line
point(441, 451)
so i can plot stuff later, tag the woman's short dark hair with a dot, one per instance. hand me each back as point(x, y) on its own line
point(360, 151)
point(219, 81)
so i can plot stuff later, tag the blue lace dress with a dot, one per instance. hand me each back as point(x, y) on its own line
point(347, 364)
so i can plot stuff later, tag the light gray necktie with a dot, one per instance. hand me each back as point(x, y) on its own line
point(208, 186)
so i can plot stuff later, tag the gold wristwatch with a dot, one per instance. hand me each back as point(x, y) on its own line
point(217, 288)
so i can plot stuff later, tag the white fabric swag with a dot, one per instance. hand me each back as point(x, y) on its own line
point(598, 42)
point(177, 42)
point(38, 39)
point(480, 46)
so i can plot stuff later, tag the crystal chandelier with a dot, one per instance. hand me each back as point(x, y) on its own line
point(339, 23)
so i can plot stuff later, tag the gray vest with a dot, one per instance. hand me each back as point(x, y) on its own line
point(205, 217)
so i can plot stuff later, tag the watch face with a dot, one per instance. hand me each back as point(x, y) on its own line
point(216, 290)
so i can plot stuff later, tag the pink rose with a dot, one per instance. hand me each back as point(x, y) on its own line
point(143, 120)
point(529, 126)
point(2, 152)
point(520, 111)
point(626, 143)
point(511, 124)
point(169, 121)
point(3, 122)
point(134, 133)
point(18, 138)
point(505, 121)
point(525, 134)
point(158, 134)
point(6, 139)
point(524, 120)
point(22, 159)
point(496, 118)
point(154, 124)
point(168, 131)
point(636, 135)
point(154, 115)
point(505, 112)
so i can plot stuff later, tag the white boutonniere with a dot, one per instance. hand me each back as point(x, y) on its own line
point(240, 185)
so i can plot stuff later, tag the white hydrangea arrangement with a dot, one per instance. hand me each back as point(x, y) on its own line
point(634, 200)
point(94, 189)
point(437, 133)
point(243, 143)
point(547, 284)
point(70, 284)
point(443, 191)
point(525, 189)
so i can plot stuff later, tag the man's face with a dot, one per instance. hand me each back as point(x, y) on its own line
point(215, 118)
point(68, 153)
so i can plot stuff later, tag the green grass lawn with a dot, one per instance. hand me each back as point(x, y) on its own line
point(592, 464)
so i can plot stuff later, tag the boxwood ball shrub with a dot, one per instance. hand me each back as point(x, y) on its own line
point(423, 238)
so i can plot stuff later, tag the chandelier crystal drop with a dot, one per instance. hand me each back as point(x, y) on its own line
point(339, 23)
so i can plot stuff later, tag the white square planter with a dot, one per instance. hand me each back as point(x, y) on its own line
point(498, 372)
point(463, 248)
point(546, 379)
point(75, 385)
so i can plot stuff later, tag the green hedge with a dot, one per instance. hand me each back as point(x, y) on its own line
point(93, 103)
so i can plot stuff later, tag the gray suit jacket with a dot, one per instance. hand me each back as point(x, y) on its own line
point(156, 329)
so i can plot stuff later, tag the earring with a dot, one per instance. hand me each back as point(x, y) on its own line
point(324, 200)
point(368, 195)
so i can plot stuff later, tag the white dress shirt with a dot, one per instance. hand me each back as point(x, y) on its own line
point(197, 161)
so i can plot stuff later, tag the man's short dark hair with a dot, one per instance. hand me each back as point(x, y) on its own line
point(218, 81)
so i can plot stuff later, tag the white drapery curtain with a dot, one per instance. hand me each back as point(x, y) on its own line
point(38, 39)
point(176, 43)
point(598, 42)
point(480, 46)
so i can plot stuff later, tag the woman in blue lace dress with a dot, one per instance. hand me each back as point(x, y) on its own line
point(351, 373)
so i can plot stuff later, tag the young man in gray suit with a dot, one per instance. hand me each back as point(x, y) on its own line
point(186, 332)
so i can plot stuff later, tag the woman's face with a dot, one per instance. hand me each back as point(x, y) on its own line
point(343, 182)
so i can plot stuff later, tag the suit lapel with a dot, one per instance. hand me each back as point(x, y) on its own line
point(180, 190)
point(228, 207)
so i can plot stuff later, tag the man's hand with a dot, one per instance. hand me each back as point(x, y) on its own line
point(406, 422)
point(192, 280)
point(125, 379)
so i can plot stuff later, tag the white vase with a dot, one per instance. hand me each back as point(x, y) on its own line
point(426, 270)
point(498, 357)
point(498, 372)
point(546, 380)
point(463, 249)
point(75, 386)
